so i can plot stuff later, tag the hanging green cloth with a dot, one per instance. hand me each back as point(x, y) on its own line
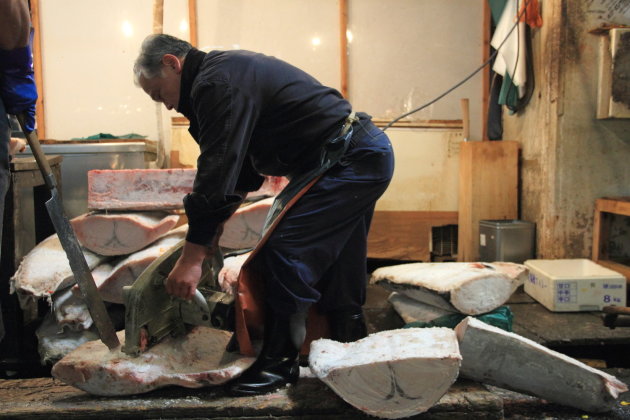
point(101, 136)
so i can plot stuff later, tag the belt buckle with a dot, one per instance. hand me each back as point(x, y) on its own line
point(351, 119)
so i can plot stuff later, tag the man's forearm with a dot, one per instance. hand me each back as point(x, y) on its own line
point(15, 24)
point(193, 253)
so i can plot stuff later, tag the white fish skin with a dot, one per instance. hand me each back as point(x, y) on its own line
point(45, 269)
point(469, 288)
point(508, 360)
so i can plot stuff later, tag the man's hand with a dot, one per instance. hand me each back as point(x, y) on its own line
point(16, 145)
point(184, 277)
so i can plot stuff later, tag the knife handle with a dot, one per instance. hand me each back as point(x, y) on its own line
point(40, 157)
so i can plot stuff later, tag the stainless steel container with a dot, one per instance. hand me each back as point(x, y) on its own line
point(506, 240)
point(78, 159)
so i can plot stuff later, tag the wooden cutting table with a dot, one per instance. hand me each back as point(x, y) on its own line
point(310, 399)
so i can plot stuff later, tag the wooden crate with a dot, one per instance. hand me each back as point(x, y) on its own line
point(604, 209)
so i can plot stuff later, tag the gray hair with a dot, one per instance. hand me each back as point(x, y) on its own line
point(154, 47)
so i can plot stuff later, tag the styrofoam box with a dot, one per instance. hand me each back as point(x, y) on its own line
point(574, 285)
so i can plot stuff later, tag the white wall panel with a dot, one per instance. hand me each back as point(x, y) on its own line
point(404, 53)
point(88, 50)
point(304, 33)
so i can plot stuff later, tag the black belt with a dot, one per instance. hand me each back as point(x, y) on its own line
point(332, 152)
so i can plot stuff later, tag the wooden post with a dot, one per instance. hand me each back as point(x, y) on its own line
point(37, 68)
point(162, 153)
point(192, 22)
point(158, 16)
point(343, 45)
point(485, 81)
point(465, 118)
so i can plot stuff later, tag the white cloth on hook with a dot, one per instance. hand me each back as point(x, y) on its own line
point(511, 58)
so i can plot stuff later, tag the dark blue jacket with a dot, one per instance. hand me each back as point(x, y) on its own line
point(251, 114)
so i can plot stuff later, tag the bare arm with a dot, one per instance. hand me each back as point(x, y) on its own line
point(15, 24)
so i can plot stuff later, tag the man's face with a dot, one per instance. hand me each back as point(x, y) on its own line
point(165, 88)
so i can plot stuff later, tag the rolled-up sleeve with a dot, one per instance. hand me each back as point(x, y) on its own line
point(226, 118)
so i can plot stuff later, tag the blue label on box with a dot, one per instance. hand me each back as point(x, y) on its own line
point(566, 292)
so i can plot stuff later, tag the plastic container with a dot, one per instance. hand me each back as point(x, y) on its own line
point(574, 285)
point(506, 240)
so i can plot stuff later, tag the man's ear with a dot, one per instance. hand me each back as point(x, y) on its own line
point(169, 60)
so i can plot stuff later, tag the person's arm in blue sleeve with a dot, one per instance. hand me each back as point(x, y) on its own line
point(17, 82)
point(226, 121)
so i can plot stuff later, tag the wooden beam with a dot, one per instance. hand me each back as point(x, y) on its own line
point(192, 23)
point(37, 68)
point(485, 81)
point(343, 45)
point(158, 16)
point(405, 235)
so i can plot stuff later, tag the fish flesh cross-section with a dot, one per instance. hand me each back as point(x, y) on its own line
point(390, 374)
point(119, 233)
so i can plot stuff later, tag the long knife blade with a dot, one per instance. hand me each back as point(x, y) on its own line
point(70, 244)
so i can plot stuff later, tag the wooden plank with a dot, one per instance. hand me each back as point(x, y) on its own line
point(604, 209)
point(488, 190)
point(37, 69)
point(450, 124)
point(46, 398)
point(615, 266)
point(192, 23)
point(564, 328)
point(617, 205)
point(343, 45)
point(605, 78)
point(19, 164)
point(405, 235)
point(485, 55)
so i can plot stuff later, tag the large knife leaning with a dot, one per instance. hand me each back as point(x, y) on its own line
point(70, 244)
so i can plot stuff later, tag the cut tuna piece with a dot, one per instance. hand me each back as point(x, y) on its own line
point(46, 269)
point(152, 189)
point(244, 229)
point(470, 288)
point(121, 233)
point(411, 310)
point(228, 275)
point(194, 360)
point(111, 277)
point(54, 341)
point(139, 189)
point(390, 374)
point(270, 187)
point(70, 311)
point(507, 360)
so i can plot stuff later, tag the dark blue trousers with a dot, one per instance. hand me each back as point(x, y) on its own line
point(318, 251)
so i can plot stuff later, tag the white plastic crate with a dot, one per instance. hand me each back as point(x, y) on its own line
point(574, 285)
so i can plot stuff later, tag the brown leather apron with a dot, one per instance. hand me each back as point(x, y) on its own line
point(250, 301)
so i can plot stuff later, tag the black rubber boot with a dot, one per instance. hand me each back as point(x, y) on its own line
point(277, 364)
point(347, 325)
